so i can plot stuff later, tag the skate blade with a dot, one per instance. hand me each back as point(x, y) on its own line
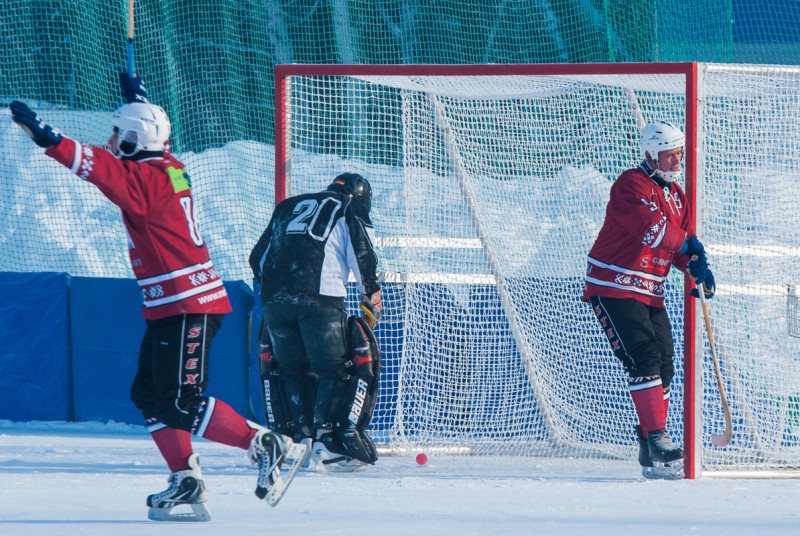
point(664, 471)
point(199, 513)
point(321, 463)
point(341, 465)
point(294, 458)
point(305, 461)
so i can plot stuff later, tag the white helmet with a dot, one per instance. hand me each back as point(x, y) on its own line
point(662, 136)
point(142, 127)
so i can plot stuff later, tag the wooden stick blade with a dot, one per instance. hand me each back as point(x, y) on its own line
point(721, 440)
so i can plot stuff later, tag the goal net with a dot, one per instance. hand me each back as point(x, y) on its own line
point(490, 185)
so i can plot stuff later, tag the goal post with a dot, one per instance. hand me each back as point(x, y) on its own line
point(490, 187)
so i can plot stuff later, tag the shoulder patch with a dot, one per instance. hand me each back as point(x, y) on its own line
point(180, 179)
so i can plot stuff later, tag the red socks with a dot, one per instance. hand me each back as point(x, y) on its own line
point(224, 426)
point(228, 427)
point(175, 446)
point(651, 405)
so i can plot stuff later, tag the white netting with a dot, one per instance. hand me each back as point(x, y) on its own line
point(752, 149)
point(485, 209)
point(490, 191)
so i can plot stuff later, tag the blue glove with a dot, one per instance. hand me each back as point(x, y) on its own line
point(132, 88)
point(698, 268)
point(708, 282)
point(692, 246)
point(43, 134)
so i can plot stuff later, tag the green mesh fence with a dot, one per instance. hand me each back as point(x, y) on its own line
point(210, 65)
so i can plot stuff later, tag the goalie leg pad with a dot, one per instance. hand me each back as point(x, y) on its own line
point(288, 399)
point(275, 407)
point(365, 351)
point(358, 402)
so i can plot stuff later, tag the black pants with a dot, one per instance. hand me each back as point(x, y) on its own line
point(640, 336)
point(307, 338)
point(173, 370)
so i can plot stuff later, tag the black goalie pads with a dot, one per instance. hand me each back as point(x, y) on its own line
point(278, 390)
point(361, 393)
point(272, 395)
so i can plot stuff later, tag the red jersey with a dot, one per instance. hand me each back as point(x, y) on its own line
point(646, 224)
point(168, 255)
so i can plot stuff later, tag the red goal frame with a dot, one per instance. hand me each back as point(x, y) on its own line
point(283, 72)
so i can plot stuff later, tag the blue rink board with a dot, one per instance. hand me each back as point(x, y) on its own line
point(34, 347)
point(107, 329)
point(69, 350)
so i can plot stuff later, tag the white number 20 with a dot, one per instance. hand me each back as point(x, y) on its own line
point(311, 217)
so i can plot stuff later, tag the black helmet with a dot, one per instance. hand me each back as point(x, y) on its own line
point(355, 186)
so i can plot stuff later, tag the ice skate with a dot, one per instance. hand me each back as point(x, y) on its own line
point(305, 462)
point(329, 455)
point(186, 488)
point(658, 455)
point(269, 450)
point(644, 449)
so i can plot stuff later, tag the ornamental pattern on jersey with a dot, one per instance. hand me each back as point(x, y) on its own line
point(178, 286)
point(87, 162)
point(156, 291)
point(654, 232)
point(203, 276)
point(632, 281)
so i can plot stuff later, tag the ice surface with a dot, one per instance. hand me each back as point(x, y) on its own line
point(93, 479)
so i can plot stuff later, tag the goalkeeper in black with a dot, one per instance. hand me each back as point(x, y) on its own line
point(315, 387)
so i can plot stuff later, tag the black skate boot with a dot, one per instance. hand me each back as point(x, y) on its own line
point(271, 451)
point(644, 449)
point(267, 452)
point(185, 488)
point(662, 449)
point(328, 454)
point(665, 457)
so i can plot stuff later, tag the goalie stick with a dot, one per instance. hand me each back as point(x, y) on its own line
point(725, 439)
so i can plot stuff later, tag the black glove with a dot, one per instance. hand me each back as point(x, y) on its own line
point(132, 88)
point(708, 283)
point(43, 134)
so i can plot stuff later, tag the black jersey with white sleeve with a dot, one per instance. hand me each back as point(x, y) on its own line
point(311, 245)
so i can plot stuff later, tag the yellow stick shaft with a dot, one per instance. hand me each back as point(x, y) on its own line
point(130, 19)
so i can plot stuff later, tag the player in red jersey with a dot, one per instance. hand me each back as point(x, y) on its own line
point(646, 231)
point(184, 297)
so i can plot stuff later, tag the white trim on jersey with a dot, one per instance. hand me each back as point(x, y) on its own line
point(645, 275)
point(660, 237)
point(335, 269)
point(185, 294)
point(76, 160)
point(175, 273)
point(600, 283)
